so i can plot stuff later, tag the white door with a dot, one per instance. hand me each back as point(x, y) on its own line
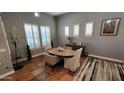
point(5, 54)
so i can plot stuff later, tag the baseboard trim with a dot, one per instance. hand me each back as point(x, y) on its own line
point(24, 59)
point(106, 58)
point(7, 74)
point(20, 60)
point(37, 55)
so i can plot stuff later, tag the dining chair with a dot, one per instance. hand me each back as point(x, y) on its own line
point(51, 60)
point(47, 46)
point(73, 63)
point(68, 47)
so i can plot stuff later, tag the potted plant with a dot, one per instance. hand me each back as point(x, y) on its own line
point(70, 39)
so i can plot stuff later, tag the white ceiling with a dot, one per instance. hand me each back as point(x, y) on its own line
point(55, 13)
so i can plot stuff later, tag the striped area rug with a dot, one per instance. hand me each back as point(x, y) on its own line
point(100, 70)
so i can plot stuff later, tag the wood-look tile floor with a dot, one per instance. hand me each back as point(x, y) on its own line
point(35, 71)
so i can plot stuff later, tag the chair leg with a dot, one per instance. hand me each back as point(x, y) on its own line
point(52, 68)
point(45, 65)
point(49, 66)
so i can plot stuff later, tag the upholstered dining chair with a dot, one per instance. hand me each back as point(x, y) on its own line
point(73, 63)
point(68, 47)
point(47, 46)
point(51, 60)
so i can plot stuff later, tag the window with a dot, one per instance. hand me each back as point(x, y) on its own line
point(36, 14)
point(76, 30)
point(66, 31)
point(32, 35)
point(89, 29)
point(45, 35)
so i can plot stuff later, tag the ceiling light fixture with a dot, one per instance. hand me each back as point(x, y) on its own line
point(36, 14)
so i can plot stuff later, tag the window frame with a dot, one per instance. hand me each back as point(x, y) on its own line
point(46, 35)
point(68, 31)
point(86, 35)
point(78, 30)
point(39, 46)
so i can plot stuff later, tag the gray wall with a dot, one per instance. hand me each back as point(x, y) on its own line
point(107, 46)
point(17, 19)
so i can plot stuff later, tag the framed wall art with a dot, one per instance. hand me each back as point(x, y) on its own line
point(110, 27)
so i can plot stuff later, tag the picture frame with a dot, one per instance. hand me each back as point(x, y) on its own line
point(110, 27)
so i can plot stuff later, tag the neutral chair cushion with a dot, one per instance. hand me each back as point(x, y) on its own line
point(51, 60)
point(47, 46)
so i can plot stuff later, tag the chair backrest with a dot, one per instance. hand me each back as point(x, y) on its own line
point(78, 54)
point(47, 46)
point(68, 47)
point(49, 59)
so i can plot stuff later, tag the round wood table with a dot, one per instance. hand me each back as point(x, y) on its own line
point(65, 53)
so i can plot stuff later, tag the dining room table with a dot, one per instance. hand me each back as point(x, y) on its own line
point(65, 53)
